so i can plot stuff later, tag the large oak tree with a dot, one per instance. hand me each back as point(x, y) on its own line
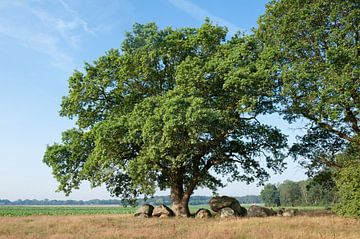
point(173, 109)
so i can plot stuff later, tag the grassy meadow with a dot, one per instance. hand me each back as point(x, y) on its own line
point(117, 222)
point(127, 226)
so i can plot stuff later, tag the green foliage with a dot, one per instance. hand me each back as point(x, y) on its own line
point(313, 47)
point(270, 195)
point(172, 109)
point(321, 189)
point(348, 183)
point(290, 193)
point(317, 150)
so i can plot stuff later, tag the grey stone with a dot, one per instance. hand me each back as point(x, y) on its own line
point(218, 203)
point(162, 211)
point(290, 212)
point(203, 213)
point(257, 211)
point(227, 212)
point(145, 209)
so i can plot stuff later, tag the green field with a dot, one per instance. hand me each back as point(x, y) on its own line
point(70, 210)
point(63, 210)
point(12, 211)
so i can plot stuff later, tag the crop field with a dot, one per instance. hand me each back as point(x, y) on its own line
point(63, 210)
point(10, 211)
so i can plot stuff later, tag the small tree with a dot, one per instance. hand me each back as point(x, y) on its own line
point(321, 189)
point(172, 110)
point(290, 193)
point(270, 195)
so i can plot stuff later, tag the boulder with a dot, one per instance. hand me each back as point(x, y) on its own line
point(162, 211)
point(257, 211)
point(218, 203)
point(289, 212)
point(145, 210)
point(242, 212)
point(203, 213)
point(227, 212)
point(280, 212)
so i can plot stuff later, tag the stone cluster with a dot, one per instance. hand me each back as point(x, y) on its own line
point(223, 206)
point(148, 210)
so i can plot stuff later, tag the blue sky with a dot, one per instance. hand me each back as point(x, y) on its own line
point(42, 42)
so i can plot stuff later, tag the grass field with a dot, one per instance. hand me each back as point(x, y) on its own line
point(11, 211)
point(63, 210)
point(127, 226)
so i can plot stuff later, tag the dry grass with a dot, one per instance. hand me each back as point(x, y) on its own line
point(126, 226)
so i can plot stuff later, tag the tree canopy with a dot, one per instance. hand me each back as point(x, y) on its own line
point(290, 193)
point(312, 48)
point(171, 109)
point(270, 195)
point(315, 47)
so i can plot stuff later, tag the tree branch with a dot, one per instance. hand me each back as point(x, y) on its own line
point(351, 117)
point(331, 129)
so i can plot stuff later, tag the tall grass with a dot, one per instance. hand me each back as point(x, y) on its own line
point(127, 226)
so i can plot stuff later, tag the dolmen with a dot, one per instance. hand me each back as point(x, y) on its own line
point(223, 206)
point(147, 210)
point(227, 207)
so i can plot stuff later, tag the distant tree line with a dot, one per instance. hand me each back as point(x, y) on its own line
point(60, 202)
point(199, 200)
point(156, 200)
point(310, 192)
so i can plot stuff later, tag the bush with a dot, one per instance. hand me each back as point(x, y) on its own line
point(348, 184)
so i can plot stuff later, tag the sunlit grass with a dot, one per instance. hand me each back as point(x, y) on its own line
point(127, 226)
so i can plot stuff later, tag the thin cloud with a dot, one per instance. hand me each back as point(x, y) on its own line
point(77, 19)
point(36, 27)
point(39, 42)
point(199, 13)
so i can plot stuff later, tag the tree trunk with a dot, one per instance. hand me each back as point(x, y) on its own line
point(180, 200)
point(181, 208)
